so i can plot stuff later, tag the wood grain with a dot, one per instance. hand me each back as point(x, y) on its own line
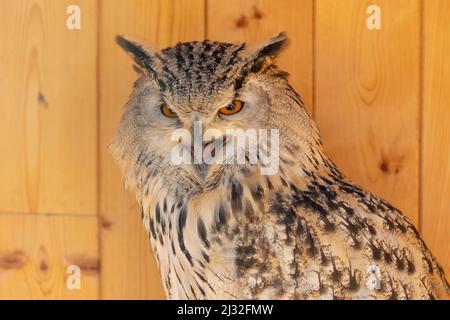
point(436, 130)
point(35, 251)
point(363, 86)
point(255, 21)
point(367, 93)
point(48, 108)
point(129, 269)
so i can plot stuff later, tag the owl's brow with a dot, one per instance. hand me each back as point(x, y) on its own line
point(233, 55)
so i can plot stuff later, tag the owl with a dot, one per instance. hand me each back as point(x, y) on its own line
point(227, 228)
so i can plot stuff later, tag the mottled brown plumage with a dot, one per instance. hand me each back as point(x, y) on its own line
point(227, 231)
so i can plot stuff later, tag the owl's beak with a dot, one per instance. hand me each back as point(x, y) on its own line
point(208, 151)
point(204, 145)
point(201, 169)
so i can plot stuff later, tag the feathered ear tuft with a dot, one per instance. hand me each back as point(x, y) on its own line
point(268, 49)
point(143, 57)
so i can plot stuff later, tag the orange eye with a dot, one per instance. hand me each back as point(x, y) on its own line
point(232, 108)
point(165, 110)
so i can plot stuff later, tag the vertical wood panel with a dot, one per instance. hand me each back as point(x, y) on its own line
point(129, 269)
point(436, 130)
point(48, 108)
point(367, 95)
point(254, 21)
point(35, 252)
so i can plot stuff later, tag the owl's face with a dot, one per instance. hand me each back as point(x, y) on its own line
point(190, 102)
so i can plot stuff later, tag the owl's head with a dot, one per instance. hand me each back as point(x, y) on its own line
point(208, 89)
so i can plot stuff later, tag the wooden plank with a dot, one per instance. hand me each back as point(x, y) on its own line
point(367, 95)
point(435, 213)
point(128, 267)
point(48, 108)
point(35, 251)
point(253, 21)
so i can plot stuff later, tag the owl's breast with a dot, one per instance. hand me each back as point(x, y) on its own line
point(268, 239)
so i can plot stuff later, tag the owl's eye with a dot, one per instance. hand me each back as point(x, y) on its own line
point(165, 110)
point(232, 108)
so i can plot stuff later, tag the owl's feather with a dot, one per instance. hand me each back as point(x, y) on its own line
point(306, 233)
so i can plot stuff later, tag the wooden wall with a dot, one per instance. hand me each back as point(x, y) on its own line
point(381, 99)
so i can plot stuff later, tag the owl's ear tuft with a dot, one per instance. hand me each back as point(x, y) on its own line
point(272, 47)
point(269, 49)
point(143, 57)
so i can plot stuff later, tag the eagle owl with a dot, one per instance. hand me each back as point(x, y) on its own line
point(225, 230)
